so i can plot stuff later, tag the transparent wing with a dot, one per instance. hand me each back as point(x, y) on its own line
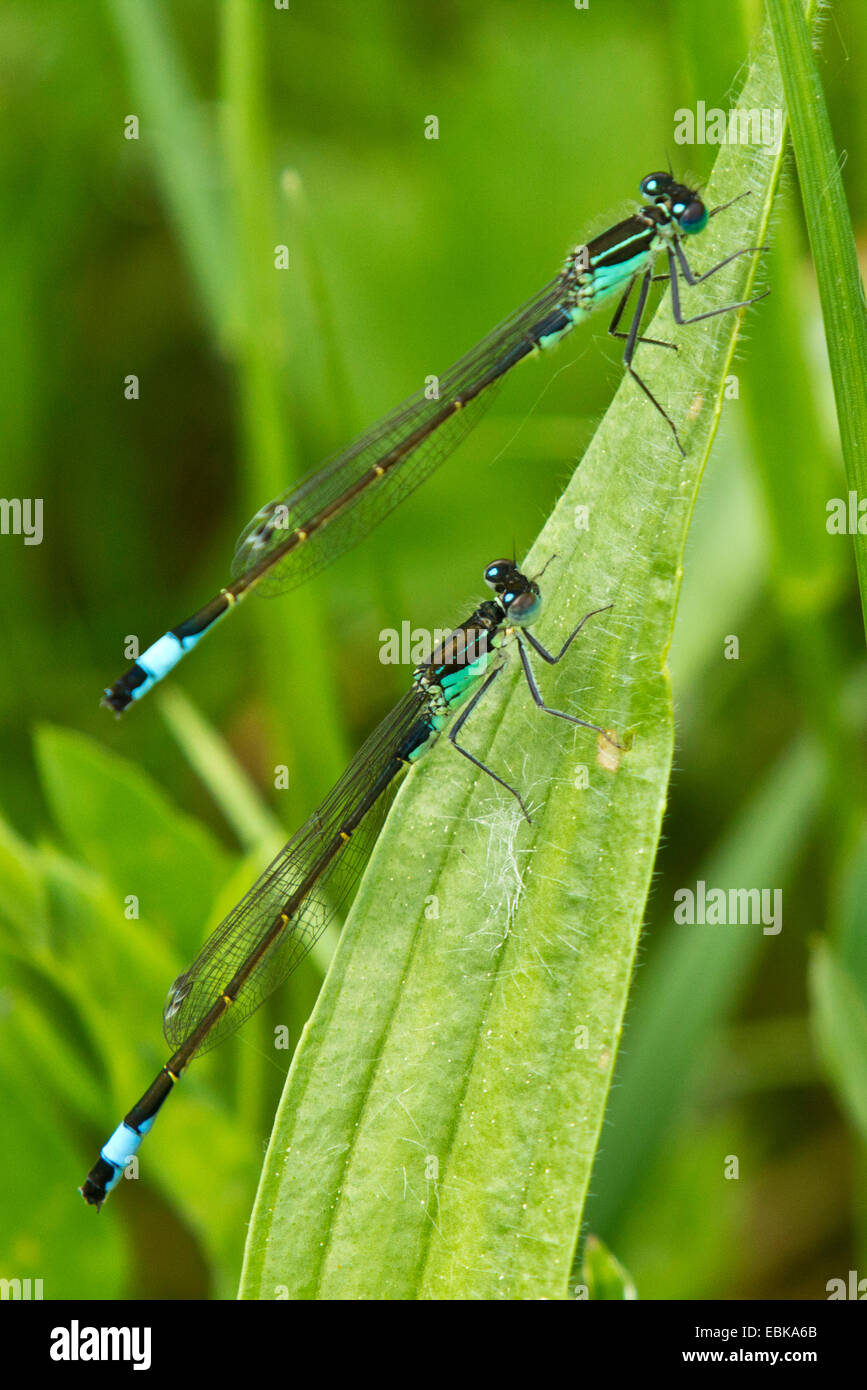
point(310, 880)
point(421, 433)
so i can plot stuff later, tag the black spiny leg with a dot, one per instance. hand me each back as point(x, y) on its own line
point(456, 728)
point(747, 193)
point(537, 694)
point(689, 274)
point(632, 339)
point(618, 315)
point(543, 651)
point(696, 280)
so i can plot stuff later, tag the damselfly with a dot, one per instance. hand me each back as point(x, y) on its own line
point(264, 938)
point(307, 527)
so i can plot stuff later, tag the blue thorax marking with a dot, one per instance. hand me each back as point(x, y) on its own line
point(611, 277)
point(640, 237)
point(456, 683)
point(446, 687)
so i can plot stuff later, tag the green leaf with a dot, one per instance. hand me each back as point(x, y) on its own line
point(42, 1234)
point(696, 976)
point(121, 824)
point(840, 1027)
point(442, 1113)
point(717, 597)
point(685, 1223)
point(23, 905)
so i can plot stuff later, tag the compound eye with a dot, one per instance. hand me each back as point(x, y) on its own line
point(499, 572)
point(655, 185)
point(692, 217)
point(521, 608)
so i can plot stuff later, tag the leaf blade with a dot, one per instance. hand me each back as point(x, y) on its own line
point(438, 1129)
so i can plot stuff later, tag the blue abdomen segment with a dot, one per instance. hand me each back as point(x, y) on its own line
point(114, 1155)
point(422, 737)
point(558, 323)
point(161, 657)
point(123, 1145)
point(164, 654)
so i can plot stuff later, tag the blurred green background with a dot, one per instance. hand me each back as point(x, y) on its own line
point(154, 257)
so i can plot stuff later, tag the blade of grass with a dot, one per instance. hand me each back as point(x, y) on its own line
point(718, 597)
point(289, 637)
point(840, 1026)
point(833, 245)
point(439, 1125)
point(694, 979)
point(213, 761)
point(602, 1274)
point(184, 157)
point(851, 894)
point(806, 563)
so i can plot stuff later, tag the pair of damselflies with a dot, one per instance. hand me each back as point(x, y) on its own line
point(305, 529)
point(274, 926)
point(266, 936)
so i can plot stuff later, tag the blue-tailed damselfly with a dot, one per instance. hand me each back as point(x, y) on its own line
point(312, 524)
point(265, 937)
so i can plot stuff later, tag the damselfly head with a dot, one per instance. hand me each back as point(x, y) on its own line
point(684, 204)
